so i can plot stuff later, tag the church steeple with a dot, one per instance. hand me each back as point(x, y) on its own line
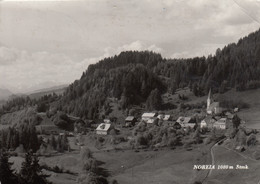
point(209, 99)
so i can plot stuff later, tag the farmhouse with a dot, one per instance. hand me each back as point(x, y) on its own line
point(160, 116)
point(167, 117)
point(229, 115)
point(220, 124)
point(176, 125)
point(130, 121)
point(186, 122)
point(152, 120)
point(148, 115)
point(213, 107)
point(207, 122)
point(164, 117)
point(103, 129)
point(107, 121)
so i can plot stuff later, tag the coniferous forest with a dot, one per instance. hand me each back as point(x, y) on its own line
point(131, 76)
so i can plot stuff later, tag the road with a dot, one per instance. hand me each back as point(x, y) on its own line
point(212, 160)
point(212, 156)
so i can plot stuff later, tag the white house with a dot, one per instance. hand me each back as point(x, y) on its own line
point(152, 121)
point(130, 121)
point(185, 122)
point(221, 124)
point(207, 122)
point(166, 117)
point(107, 121)
point(103, 128)
point(148, 115)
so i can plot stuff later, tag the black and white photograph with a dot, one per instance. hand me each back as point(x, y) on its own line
point(129, 92)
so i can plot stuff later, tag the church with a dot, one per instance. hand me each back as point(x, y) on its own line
point(213, 107)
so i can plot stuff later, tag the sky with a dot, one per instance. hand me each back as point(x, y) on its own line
point(47, 43)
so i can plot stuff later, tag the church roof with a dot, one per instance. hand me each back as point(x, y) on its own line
point(209, 95)
point(214, 105)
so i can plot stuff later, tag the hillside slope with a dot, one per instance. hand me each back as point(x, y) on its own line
point(4, 94)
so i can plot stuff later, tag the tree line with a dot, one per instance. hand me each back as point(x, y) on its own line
point(31, 171)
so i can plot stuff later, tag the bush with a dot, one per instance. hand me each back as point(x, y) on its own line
point(141, 140)
point(251, 140)
point(256, 155)
point(42, 107)
point(85, 153)
point(101, 139)
point(113, 132)
point(118, 139)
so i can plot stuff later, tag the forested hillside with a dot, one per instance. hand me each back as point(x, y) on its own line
point(131, 83)
point(131, 77)
point(236, 65)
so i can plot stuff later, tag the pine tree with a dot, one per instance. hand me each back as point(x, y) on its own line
point(31, 170)
point(154, 101)
point(6, 174)
point(53, 142)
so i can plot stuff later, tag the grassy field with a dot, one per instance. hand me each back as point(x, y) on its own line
point(165, 166)
point(162, 166)
point(224, 156)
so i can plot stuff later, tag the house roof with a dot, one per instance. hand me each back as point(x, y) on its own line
point(221, 121)
point(149, 114)
point(103, 126)
point(182, 119)
point(209, 119)
point(160, 116)
point(213, 105)
point(152, 120)
point(107, 121)
point(129, 118)
point(166, 117)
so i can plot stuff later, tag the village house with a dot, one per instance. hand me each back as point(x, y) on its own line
point(221, 124)
point(176, 125)
point(213, 107)
point(103, 129)
point(149, 115)
point(152, 120)
point(236, 109)
point(164, 117)
point(107, 121)
point(167, 117)
point(130, 121)
point(207, 122)
point(160, 116)
point(229, 115)
point(186, 122)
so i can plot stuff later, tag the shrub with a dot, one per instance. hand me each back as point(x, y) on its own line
point(101, 139)
point(251, 140)
point(140, 140)
point(85, 153)
point(256, 155)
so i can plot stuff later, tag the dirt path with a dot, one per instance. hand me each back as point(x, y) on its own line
point(212, 159)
